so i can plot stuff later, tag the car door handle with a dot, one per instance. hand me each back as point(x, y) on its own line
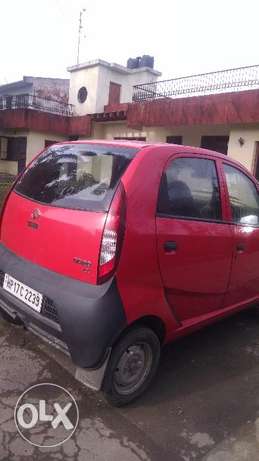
point(170, 246)
point(240, 247)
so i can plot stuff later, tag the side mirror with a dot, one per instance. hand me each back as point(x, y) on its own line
point(250, 220)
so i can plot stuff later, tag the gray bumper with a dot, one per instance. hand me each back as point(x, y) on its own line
point(89, 318)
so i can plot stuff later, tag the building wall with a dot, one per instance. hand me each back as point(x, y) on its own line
point(88, 79)
point(191, 135)
point(51, 88)
point(127, 81)
point(245, 153)
point(10, 167)
point(36, 143)
point(97, 80)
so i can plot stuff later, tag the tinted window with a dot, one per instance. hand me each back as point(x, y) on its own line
point(190, 189)
point(79, 176)
point(243, 194)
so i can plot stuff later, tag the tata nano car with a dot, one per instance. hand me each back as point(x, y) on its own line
point(111, 249)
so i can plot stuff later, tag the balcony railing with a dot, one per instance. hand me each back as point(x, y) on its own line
point(225, 81)
point(30, 101)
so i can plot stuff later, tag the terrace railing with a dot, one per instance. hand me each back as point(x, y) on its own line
point(224, 81)
point(30, 101)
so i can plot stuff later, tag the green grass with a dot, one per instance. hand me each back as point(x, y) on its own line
point(5, 183)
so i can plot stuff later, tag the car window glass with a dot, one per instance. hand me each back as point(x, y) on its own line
point(190, 189)
point(243, 196)
point(78, 176)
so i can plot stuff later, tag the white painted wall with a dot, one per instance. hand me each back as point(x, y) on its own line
point(97, 77)
point(191, 135)
point(89, 79)
point(36, 143)
point(7, 166)
point(244, 154)
point(127, 81)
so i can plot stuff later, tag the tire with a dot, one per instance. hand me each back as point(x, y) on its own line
point(133, 364)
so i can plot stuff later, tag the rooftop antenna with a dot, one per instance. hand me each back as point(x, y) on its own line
point(80, 27)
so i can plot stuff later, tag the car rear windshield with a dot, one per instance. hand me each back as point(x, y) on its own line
point(77, 176)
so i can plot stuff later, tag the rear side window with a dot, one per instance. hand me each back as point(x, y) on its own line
point(78, 176)
point(243, 195)
point(190, 189)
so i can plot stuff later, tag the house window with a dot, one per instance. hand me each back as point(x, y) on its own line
point(217, 143)
point(82, 94)
point(174, 140)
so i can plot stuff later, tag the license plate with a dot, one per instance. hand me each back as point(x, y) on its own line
point(21, 291)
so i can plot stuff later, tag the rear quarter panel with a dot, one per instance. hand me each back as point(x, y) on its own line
point(138, 274)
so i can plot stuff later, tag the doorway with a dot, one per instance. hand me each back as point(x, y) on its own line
point(16, 151)
point(217, 143)
point(256, 162)
point(114, 93)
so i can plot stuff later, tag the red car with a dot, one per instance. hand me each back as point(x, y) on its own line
point(112, 249)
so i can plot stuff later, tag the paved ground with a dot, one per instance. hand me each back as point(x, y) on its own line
point(204, 405)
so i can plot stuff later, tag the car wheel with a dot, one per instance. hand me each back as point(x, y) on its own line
point(133, 364)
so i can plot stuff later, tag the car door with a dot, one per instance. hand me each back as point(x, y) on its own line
point(244, 213)
point(194, 243)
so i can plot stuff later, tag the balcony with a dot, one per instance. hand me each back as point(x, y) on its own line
point(29, 101)
point(225, 81)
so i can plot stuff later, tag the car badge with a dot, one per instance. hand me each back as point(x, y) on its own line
point(35, 214)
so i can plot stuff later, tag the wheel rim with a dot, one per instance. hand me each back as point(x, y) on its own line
point(133, 367)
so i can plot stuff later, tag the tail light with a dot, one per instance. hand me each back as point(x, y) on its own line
point(112, 237)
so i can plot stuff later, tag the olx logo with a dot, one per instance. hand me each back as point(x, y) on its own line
point(46, 415)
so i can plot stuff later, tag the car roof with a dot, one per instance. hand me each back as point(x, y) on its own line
point(111, 142)
point(141, 144)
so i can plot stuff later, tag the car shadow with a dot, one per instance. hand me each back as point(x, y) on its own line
point(219, 352)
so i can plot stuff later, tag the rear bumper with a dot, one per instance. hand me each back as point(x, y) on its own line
point(81, 319)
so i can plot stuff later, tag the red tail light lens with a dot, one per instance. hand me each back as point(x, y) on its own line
point(113, 234)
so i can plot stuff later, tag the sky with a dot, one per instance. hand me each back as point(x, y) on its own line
point(39, 37)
